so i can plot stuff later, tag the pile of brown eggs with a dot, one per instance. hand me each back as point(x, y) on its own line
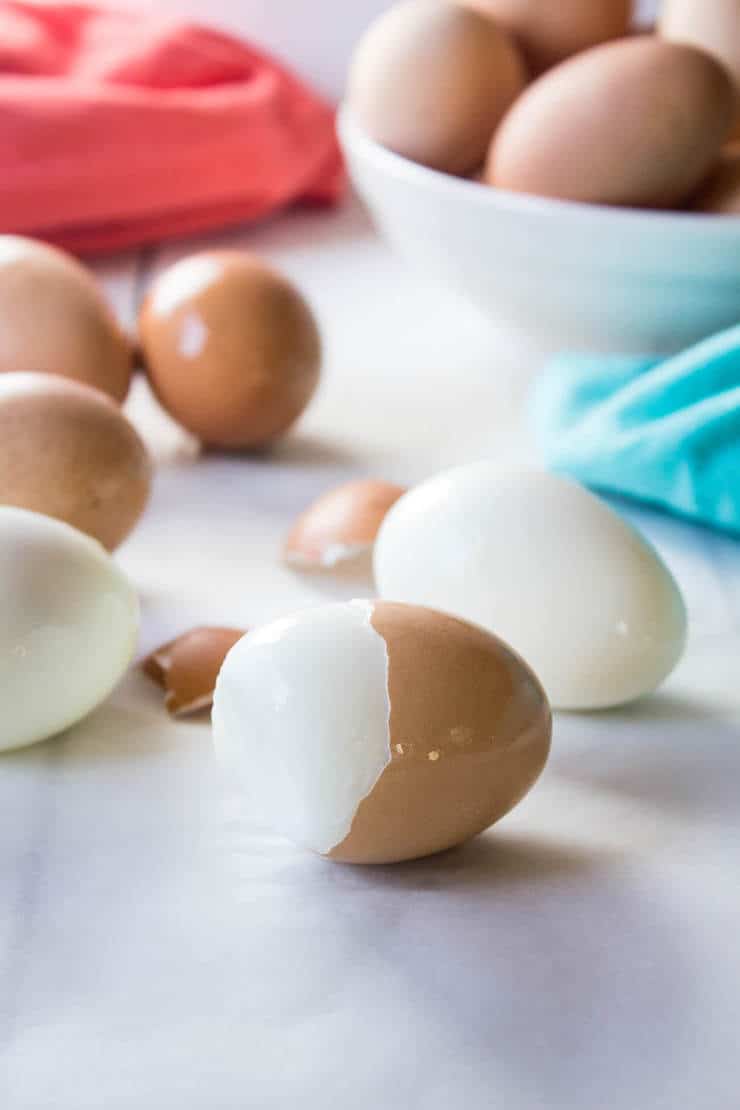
point(230, 347)
point(559, 99)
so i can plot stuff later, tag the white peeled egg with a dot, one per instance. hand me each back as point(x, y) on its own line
point(315, 686)
point(68, 629)
point(548, 567)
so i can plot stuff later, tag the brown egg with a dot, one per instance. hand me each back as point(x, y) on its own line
point(374, 732)
point(720, 193)
point(54, 320)
point(186, 668)
point(547, 33)
point(341, 525)
point(431, 80)
point(231, 348)
point(636, 122)
point(66, 450)
point(712, 25)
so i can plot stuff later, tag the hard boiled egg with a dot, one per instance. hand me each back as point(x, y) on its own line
point(372, 732)
point(546, 565)
point(68, 628)
point(635, 122)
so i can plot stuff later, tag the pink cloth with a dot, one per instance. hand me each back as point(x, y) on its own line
point(118, 129)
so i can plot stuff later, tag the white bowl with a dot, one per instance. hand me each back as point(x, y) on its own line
point(576, 275)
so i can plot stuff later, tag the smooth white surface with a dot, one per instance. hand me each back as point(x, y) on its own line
point(583, 276)
point(301, 720)
point(158, 949)
point(68, 626)
point(545, 565)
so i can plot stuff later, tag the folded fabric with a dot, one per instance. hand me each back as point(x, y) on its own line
point(663, 431)
point(119, 128)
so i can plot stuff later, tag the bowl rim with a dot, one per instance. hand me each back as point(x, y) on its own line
point(354, 138)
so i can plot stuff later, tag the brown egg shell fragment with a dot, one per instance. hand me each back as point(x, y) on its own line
point(187, 667)
point(54, 319)
point(67, 450)
point(470, 730)
point(340, 525)
point(231, 348)
point(637, 122)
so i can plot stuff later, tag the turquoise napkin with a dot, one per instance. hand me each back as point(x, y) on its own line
point(665, 431)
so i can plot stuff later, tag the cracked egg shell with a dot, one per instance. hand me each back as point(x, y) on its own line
point(54, 319)
point(231, 348)
point(340, 525)
point(374, 732)
point(187, 667)
point(66, 450)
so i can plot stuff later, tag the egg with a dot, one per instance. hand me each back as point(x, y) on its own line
point(68, 629)
point(341, 525)
point(712, 25)
point(550, 32)
point(186, 668)
point(430, 80)
point(231, 348)
point(372, 732)
point(720, 193)
point(53, 319)
point(636, 122)
point(68, 451)
point(546, 565)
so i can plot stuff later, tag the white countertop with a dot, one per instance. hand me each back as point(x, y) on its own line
point(158, 952)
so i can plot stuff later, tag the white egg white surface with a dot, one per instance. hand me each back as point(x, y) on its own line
point(68, 630)
point(548, 567)
point(301, 718)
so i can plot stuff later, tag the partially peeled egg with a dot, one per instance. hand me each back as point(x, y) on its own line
point(374, 732)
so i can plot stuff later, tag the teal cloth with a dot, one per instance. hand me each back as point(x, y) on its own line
point(665, 431)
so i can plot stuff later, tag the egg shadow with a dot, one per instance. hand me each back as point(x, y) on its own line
point(540, 966)
point(654, 755)
point(542, 947)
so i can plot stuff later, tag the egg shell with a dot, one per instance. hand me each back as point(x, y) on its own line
point(68, 451)
point(431, 80)
point(712, 25)
point(548, 33)
point(231, 348)
point(373, 732)
point(53, 319)
point(341, 524)
point(547, 566)
point(187, 667)
point(635, 122)
point(68, 629)
point(720, 193)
